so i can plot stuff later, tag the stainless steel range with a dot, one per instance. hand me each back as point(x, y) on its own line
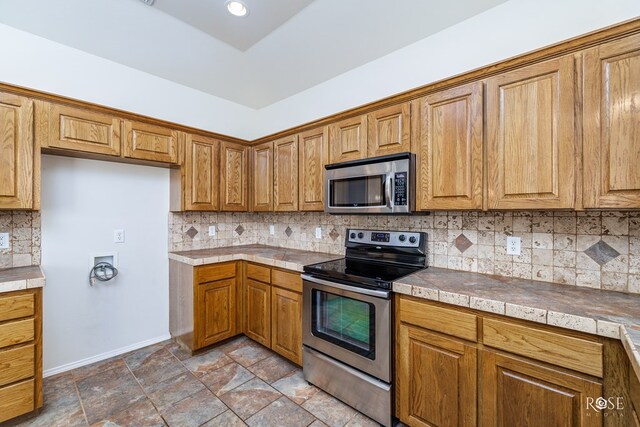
point(348, 318)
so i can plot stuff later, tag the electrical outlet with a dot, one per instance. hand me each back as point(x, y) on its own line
point(513, 246)
point(212, 230)
point(272, 229)
point(5, 243)
point(318, 233)
point(118, 236)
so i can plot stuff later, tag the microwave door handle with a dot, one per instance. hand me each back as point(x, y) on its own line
point(388, 191)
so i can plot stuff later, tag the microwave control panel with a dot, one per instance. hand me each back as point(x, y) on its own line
point(400, 196)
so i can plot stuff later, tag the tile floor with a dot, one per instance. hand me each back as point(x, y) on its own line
point(237, 383)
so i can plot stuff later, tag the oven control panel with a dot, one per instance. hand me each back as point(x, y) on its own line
point(400, 189)
point(405, 239)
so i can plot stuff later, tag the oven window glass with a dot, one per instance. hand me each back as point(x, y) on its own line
point(346, 322)
point(358, 191)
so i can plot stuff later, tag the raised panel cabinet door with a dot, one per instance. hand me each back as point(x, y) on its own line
point(233, 177)
point(348, 140)
point(314, 155)
point(436, 379)
point(150, 142)
point(77, 129)
point(531, 143)
point(451, 149)
point(286, 324)
point(612, 125)
point(216, 311)
point(389, 130)
point(258, 312)
point(201, 173)
point(517, 392)
point(285, 173)
point(18, 157)
point(262, 178)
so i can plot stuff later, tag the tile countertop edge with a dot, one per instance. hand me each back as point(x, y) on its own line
point(568, 321)
point(21, 278)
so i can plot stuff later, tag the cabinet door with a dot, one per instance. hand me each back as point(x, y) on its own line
point(436, 379)
point(262, 187)
point(531, 141)
point(314, 153)
point(215, 311)
point(233, 177)
point(285, 172)
point(78, 129)
point(150, 142)
point(17, 153)
point(612, 125)
point(201, 173)
point(451, 149)
point(389, 130)
point(348, 140)
point(258, 312)
point(286, 324)
point(518, 392)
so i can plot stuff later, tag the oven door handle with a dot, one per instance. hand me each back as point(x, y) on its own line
point(388, 191)
point(354, 289)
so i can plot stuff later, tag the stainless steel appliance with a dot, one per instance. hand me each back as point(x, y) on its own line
point(379, 185)
point(347, 318)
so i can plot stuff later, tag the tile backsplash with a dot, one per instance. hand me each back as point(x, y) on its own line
point(24, 233)
point(590, 249)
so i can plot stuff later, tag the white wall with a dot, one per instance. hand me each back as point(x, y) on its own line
point(83, 201)
point(38, 63)
point(507, 30)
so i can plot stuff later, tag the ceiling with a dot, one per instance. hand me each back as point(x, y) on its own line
point(281, 48)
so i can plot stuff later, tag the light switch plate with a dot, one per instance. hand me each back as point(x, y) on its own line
point(118, 236)
point(513, 246)
point(212, 230)
point(5, 243)
point(272, 229)
point(318, 232)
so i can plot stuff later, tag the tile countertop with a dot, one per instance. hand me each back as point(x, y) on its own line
point(20, 278)
point(605, 313)
point(290, 259)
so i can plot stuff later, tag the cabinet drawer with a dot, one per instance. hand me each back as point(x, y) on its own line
point(286, 280)
point(16, 364)
point(211, 273)
point(259, 272)
point(439, 319)
point(16, 399)
point(561, 350)
point(16, 306)
point(16, 332)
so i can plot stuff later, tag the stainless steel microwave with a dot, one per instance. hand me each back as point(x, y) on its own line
point(379, 185)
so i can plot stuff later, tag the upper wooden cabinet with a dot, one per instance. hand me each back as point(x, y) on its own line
point(612, 125)
point(150, 142)
point(285, 174)
point(233, 177)
point(450, 149)
point(70, 128)
point(19, 158)
point(531, 144)
point(348, 140)
point(262, 179)
point(313, 156)
point(389, 130)
point(201, 173)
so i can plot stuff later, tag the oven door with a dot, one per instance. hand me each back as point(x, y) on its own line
point(360, 189)
point(350, 324)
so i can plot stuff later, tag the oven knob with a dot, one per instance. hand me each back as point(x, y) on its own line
point(402, 237)
point(412, 239)
point(360, 235)
point(352, 235)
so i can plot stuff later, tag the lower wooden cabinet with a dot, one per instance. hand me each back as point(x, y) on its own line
point(258, 311)
point(216, 311)
point(436, 379)
point(286, 324)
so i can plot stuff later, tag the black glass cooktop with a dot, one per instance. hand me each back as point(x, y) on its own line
point(359, 272)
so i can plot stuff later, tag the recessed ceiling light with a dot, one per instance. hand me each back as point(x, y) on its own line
point(237, 8)
point(148, 2)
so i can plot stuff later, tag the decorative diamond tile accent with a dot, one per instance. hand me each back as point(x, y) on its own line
point(334, 234)
point(288, 231)
point(191, 232)
point(240, 230)
point(462, 242)
point(601, 253)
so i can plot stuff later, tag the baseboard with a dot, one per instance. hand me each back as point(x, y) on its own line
point(104, 356)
